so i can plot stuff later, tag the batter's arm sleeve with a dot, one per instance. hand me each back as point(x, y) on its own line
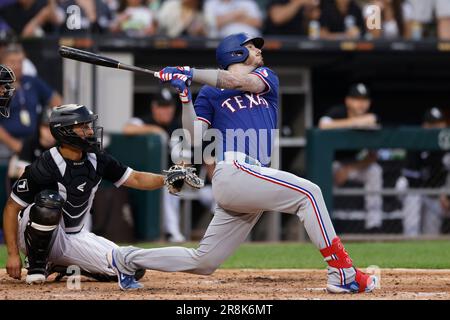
point(192, 123)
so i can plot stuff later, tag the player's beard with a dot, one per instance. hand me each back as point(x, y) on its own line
point(255, 61)
point(259, 62)
point(262, 62)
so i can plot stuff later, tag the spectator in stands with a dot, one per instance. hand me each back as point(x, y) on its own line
point(162, 120)
point(33, 147)
point(91, 16)
point(30, 18)
point(225, 17)
point(396, 19)
point(291, 17)
point(341, 19)
point(424, 12)
point(134, 19)
point(4, 26)
point(182, 18)
point(154, 5)
point(356, 165)
point(7, 38)
point(425, 170)
point(5, 3)
point(32, 95)
point(113, 5)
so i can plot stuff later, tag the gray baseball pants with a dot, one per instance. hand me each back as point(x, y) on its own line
point(243, 192)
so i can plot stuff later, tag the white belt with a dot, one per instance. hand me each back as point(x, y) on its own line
point(230, 156)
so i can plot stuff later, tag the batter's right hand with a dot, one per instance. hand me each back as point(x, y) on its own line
point(180, 83)
point(167, 73)
point(14, 266)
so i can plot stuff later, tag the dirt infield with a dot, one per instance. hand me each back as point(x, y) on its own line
point(238, 284)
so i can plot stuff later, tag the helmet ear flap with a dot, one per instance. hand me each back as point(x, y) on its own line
point(243, 52)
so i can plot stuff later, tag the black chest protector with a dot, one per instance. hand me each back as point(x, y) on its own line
point(77, 182)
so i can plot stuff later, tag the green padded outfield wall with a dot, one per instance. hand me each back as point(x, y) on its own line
point(142, 153)
point(322, 144)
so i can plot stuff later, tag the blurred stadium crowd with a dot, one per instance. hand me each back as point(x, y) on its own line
point(325, 19)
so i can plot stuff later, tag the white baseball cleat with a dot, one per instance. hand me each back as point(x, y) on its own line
point(36, 278)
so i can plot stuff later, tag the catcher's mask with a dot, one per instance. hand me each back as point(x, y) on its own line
point(64, 119)
point(7, 78)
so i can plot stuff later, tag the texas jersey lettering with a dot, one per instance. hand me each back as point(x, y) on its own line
point(234, 112)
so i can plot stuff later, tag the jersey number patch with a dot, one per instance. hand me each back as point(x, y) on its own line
point(22, 185)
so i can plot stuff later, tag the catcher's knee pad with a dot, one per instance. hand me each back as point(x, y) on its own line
point(40, 233)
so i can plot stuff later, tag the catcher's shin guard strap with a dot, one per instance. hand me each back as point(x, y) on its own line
point(337, 249)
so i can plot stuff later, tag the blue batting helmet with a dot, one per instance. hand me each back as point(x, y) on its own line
point(232, 50)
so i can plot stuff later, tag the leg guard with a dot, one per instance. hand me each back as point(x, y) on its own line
point(40, 232)
point(336, 256)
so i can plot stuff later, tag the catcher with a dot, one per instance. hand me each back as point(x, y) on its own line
point(50, 203)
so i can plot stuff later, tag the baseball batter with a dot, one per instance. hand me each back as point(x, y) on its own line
point(243, 96)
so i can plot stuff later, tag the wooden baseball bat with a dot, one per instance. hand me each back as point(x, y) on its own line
point(99, 60)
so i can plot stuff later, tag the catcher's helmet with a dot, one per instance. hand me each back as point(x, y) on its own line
point(62, 121)
point(232, 49)
point(7, 78)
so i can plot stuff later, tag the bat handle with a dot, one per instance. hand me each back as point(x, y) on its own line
point(156, 75)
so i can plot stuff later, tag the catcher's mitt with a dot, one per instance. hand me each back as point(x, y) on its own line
point(177, 175)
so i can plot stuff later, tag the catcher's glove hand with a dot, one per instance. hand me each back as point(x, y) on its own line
point(177, 175)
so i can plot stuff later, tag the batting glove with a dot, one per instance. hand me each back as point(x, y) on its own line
point(180, 83)
point(167, 73)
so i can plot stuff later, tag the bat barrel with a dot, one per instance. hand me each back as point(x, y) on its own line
point(96, 59)
point(89, 57)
